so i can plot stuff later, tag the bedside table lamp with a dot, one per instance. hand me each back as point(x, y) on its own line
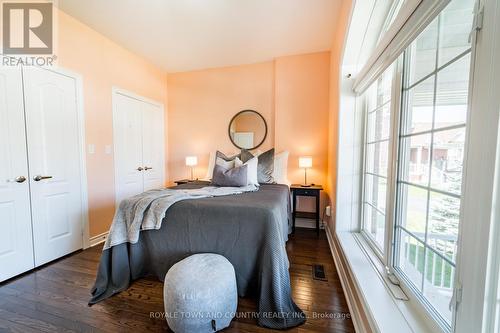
point(191, 161)
point(305, 163)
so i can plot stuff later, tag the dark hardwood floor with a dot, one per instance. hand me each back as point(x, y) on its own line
point(54, 298)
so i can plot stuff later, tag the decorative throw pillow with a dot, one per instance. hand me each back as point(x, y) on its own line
point(246, 155)
point(225, 164)
point(251, 171)
point(212, 160)
point(230, 177)
point(226, 158)
point(265, 167)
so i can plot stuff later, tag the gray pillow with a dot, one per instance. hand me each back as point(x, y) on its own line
point(230, 177)
point(245, 155)
point(224, 157)
point(265, 167)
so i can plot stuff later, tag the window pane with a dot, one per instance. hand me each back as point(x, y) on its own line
point(384, 86)
point(444, 214)
point(447, 160)
point(437, 106)
point(377, 138)
point(420, 107)
point(374, 224)
point(371, 98)
point(422, 53)
point(455, 27)
point(438, 283)
point(378, 124)
point(416, 150)
point(452, 92)
point(377, 158)
point(375, 191)
point(413, 208)
point(411, 258)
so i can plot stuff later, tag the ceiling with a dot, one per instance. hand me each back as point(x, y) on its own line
point(184, 35)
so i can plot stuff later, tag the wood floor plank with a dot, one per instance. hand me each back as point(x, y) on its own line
point(54, 297)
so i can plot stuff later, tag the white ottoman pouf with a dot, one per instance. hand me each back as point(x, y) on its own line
point(200, 294)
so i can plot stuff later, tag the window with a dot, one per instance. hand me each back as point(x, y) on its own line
point(393, 13)
point(377, 143)
point(431, 152)
point(410, 215)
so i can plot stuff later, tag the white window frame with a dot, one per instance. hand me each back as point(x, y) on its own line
point(403, 280)
point(395, 102)
point(394, 279)
point(477, 262)
point(388, 257)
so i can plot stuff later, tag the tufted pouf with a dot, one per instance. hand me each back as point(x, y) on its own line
point(200, 294)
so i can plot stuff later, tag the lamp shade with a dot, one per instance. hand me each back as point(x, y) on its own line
point(191, 160)
point(305, 162)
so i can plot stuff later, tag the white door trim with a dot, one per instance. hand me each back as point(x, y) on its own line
point(119, 91)
point(82, 143)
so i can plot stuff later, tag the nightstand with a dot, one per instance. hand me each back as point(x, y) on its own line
point(309, 191)
point(183, 181)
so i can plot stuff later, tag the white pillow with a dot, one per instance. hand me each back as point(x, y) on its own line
point(251, 169)
point(211, 165)
point(280, 171)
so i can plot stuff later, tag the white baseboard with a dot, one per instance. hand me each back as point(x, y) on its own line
point(98, 239)
point(355, 308)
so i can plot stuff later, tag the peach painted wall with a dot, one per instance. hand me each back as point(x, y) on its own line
point(302, 106)
point(301, 102)
point(291, 92)
point(102, 65)
point(335, 72)
point(201, 104)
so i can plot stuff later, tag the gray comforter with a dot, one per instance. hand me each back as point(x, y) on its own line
point(249, 229)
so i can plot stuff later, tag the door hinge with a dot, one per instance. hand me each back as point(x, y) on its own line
point(477, 23)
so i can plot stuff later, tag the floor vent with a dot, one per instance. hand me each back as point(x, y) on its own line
point(319, 272)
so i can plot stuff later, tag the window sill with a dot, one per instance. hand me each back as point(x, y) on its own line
point(385, 305)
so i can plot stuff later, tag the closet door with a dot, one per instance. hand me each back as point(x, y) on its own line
point(153, 147)
point(16, 247)
point(127, 137)
point(54, 163)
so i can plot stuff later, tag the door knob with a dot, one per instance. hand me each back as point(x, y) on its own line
point(38, 178)
point(140, 169)
point(19, 179)
point(148, 168)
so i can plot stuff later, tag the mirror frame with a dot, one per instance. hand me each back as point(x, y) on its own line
point(265, 127)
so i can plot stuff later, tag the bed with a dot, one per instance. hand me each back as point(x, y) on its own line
point(249, 229)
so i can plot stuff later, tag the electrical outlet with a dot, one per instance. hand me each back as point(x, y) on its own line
point(328, 210)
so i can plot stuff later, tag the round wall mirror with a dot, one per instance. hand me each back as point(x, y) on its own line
point(247, 129)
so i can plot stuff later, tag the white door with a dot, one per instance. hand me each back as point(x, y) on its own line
point(127, 137)
point(244, 139)
point(153, 139)
point(16, 247)
point(54, 163)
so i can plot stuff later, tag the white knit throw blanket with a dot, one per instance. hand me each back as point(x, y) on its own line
point(146, 211)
